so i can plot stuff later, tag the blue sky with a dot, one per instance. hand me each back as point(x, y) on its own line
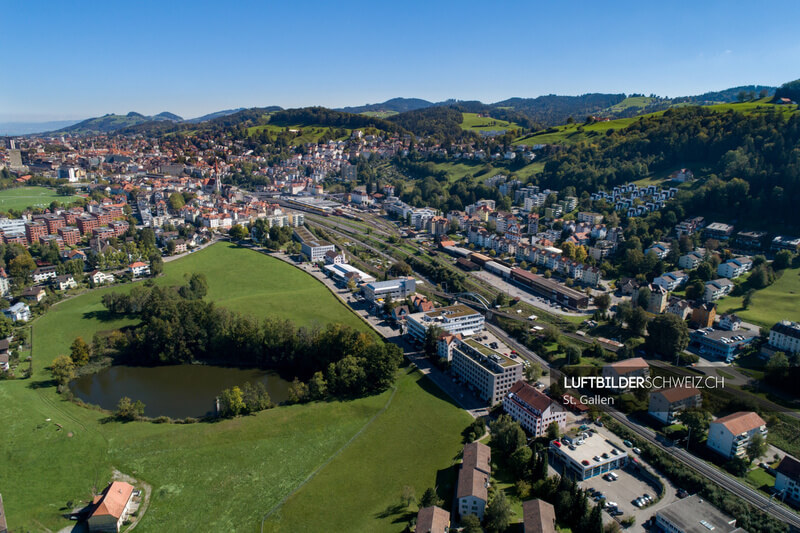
point(64, 60)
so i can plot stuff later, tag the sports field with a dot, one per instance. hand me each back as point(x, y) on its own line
point(23, 197)
point(216, 476)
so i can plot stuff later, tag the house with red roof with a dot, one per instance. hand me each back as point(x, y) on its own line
point(111, 508)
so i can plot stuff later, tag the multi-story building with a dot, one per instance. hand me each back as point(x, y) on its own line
point(43, 274)
point(703, 314)
point(489, 372)
point(396, 289)
point(787, 479)
point(595, 456)
point(671, 280)
point(657, 297)
point(719, 231)
point(694, 514)
point(730, 435)
point(782, 242)
point(751, 240)
point(627, 368)
point(19, 312)
point(733, 268)
point(689, 226)
point(534, 410)
point(472, 491)
point(785, 336)
point(691, 260)
point(53, 223)
point(666, 404)
point(34, 230)
point(87, 223)
point(70, 235)
point(457, 318)
point(716, 289)
point(312, 247)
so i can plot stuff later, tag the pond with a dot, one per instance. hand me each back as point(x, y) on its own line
point(177, 391)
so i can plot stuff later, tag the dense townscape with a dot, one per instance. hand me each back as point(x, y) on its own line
point(553, 314)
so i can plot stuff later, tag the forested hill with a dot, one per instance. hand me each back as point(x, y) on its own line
point(396, 105)
point(551, 110)
point(790, 90)
point(752, 160)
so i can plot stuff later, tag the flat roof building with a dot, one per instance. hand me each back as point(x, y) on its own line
point(694, 515)
point(458, 318)
point(589, 456)
point(396, 289)
point(489, 372)
point(312, 247)
point(550, 288)
point(720, 344)
point(344, 273)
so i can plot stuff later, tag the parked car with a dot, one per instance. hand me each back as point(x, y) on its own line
point(637, 451)
point(617, 512)
point(627, 443)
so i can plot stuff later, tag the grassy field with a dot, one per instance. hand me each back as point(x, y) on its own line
point(205, 477)
point(472, 122)
point(415, 443)
point(569, 134)
point(459, 171)
point(23, 197)
point(779, 301)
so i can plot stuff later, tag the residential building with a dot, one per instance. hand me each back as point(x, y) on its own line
point(720, 344)
point(657, 297)
point(19, 312)
point(62, 283)
point(703, 314)
point(445, 344)
point(139, 269)
point(730, 435)
point(5, 282)
point(111, 508)
point(666, 404)
point(534, 410)
point(787, 480)
point(661, 249)
point(717, 288)
point(691, 260)
point(679, 307)
point(100, 278)
point(334, 258)
point(457, 318)
point(781, 242)
point(733, 268)
point(472, 491)
point(730, 322)
point(396, 289)
point(69, 235)
point(751, 240)
point(671, 280)
point(590, 218)
point(627, 368)
point(693, 514)
point(34, 294)
point(595, 456)
point(719, 231)
point(432, 520)
point(689, 226)
point(489, 372)
point(785, 336)
point(538, 516)
point(42, 274)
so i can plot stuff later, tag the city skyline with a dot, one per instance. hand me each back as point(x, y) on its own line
point(198, 58)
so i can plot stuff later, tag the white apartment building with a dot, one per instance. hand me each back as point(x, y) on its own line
point(730, 435)
point(490, 373)
point(785, 336)
point(733, 268)
point(454, 319)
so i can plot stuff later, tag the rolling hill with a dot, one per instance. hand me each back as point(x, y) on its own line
point(111, 122)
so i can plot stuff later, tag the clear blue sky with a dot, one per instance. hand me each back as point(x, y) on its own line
point(79, 59)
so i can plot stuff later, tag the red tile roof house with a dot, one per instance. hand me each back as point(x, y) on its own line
point(432, 520)
point(111, 508)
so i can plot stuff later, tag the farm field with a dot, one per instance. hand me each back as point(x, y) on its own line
point(21, 198)
point(779, 301)
point(216, 477)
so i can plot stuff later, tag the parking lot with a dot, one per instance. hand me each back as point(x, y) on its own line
point(629, 485)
